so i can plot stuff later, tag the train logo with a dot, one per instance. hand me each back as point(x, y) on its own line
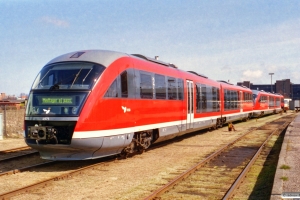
point(126, 109)
point(47, 111)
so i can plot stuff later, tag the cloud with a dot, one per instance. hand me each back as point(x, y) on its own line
point(54, 21)
point(252, 74)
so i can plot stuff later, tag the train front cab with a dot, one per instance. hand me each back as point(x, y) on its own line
point(237, 102)
point(56, 100)
point(265, 103)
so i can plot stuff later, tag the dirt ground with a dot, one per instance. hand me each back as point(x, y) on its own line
point(10, 143)
point(136, 177)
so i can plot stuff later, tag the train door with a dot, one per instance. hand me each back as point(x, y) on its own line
point(242, 100)
point(190, 105)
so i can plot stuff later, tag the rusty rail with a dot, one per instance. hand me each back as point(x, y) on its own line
point(243, 174)
point(14, 171)
point(46, 182)
point(190, 171)
point(15, 149)
point(194, 168)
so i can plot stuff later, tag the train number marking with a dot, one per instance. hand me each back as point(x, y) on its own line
point(125, 109)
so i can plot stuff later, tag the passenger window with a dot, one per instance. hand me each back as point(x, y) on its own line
point(146, 90)
point(231, 99)
point(180, 89)
point(215, 98)
point(124, 84)
point(208, 98)
point(160, 86)
point(172, 90)
point(112, 90)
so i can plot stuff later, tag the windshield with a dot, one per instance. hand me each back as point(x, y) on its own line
point(79, 75)
point(254, 98)
point(55, 103)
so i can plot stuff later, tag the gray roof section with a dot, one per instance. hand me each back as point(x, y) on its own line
point(102, 57)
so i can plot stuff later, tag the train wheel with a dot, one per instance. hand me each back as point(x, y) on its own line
point(123, 155)
point(219, 123)
point(141, 150)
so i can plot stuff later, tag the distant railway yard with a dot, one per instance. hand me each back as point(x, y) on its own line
point(206, 164)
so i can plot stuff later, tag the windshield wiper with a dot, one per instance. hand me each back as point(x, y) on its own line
point(86, 76)
point(76, 77)
point(44, 76)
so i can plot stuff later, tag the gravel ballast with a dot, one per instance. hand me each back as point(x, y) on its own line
point(137, 176)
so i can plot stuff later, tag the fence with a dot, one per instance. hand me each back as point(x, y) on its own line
point(12, 121)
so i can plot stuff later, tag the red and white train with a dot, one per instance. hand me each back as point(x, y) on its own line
point(95, 103)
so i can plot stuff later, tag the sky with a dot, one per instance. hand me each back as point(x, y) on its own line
point(230, 40)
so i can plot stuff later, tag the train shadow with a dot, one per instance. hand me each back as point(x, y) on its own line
point(177, 139)
point(264, 183)
point(60, 166)
point(64, 166)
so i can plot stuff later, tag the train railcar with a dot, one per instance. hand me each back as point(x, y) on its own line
point(90, 104)
point(96, 103)
point(266, 103)
point(236, 102)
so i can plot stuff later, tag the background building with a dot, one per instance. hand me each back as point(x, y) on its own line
point(2, 96)
point(284, 87)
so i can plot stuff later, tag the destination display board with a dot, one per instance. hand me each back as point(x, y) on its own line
point(66, 100)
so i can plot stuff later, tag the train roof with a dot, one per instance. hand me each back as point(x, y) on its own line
point(221, 81)
point(106, 57)
point(103, 57)
point(154, 60)
point(264, 92)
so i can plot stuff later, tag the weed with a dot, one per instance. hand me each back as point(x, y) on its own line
point(285, 167)
point(284, 178)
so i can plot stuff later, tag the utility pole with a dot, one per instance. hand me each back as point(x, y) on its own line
point(271, 81)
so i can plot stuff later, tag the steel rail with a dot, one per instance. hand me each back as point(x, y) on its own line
point(10, 194)
point(46, 182)
point(14, 171)
point(15, 149)
point(185, 174)
point(19, 156)
point(243, 174)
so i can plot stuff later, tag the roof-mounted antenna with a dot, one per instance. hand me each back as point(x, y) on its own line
point(155, 60)
point(224, 82)
point(197, 74)
point(244, 86)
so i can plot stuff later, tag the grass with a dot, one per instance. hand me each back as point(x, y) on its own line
point(264, 172)
point(285, 167)
point(284, 178)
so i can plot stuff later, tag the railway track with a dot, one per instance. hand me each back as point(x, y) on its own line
point(14, 157)
point(14, 150)
point(58, 172)
point(220, 174)
point(65, 175)
point(67, 171)
point(13, 160)
point(23, 169)
point(13, 154)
